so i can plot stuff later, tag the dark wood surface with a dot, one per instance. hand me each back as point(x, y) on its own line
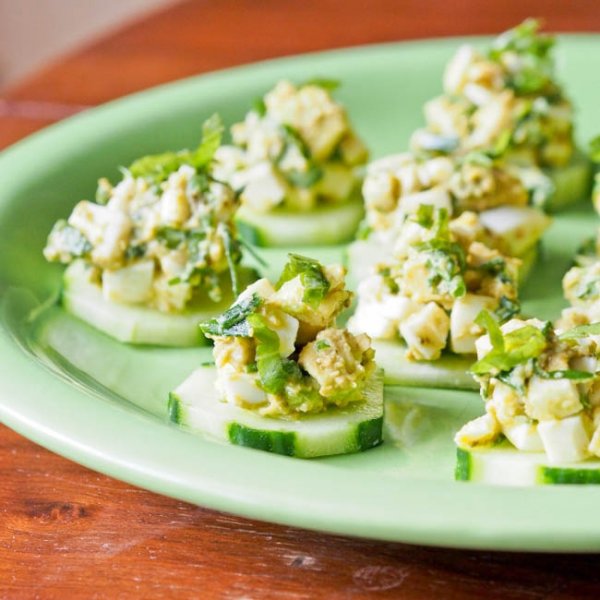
point(68, 532)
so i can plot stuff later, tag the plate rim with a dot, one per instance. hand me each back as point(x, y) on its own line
point(231, 494)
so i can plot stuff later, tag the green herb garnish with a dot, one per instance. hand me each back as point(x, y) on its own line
point(312, 276)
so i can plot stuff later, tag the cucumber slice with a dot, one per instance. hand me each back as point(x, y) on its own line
point(450, 371)
point(195, 405)
point(138, 324)
point(571, 183)
point(326, 225)
point(361, 255)
point(504, 465)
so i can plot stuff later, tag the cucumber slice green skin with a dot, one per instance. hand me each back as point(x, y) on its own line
point(327, 225)
point(571, 183)
point(450, 371)
point(504, 465)
point(136, 324)
point(195, 405)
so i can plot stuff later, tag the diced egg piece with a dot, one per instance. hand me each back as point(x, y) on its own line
point(286, 327)
point(523, 435)
point(131, 284)
point(368, 319)
point(479, 431)
point(240, 388)
point(517, 228)
point(463, 330)
point(436, 197)
point(551, 398)
point(263, 188)
point(426, 331)
point(263, 288)
point(565, 440)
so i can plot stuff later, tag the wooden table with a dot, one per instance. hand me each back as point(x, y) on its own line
point(67, 532)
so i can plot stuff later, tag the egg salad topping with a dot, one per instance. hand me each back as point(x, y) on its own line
point(397, 185)
point(277, 349)
point(505, 100)
point(440, 278)
point(541, 388)
point(296, 149)
point(163, 236)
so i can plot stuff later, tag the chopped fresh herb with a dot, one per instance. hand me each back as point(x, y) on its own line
point(233, 255)
point(274, 371)
point(72, 239)
point(322, 344)
point(172, 238)
point(157, 167)
point(535, 70)
point(312, 276)
point(103, 191)
point(304, 179)
point(508, 350)
point(259, 107)
point(329, 85)
point(424, 216)
point(566, 374)
point(235, 320)
point(446, 262)
point(580, 331)
point(507, 309)
point(135, 251)
point(502, 144)
point(588, 288)
point(212, 133)
point(292, 136)
point(588, 248)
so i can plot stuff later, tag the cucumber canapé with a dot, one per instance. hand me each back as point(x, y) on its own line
point(540, 386)
point(297, 162)
point(157, 252)
point(286, 379)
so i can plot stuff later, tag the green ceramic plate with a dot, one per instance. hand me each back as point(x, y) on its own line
point(102, 404)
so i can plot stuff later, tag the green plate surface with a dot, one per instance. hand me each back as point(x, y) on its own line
point(102, 404)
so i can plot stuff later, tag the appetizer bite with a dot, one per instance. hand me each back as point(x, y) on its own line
point(296, 161)
point(541, 388)
point(497, 200)
point(420, 306)
point(157, 253)
point(286, 379)
point(506, 101)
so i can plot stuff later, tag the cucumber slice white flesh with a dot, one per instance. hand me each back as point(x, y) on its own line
point(195, 405)
point(326, 225)
point(361, 255)
point(504, 465)
point(571, 183)
point(450, 371)
point(137, 324)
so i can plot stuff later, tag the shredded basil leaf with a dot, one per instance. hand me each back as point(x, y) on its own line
point(329, 85)
point(156, 168)
point(508, 350)
point(235, 320)
point(580, 331)
point(273, 370)
point(312, 276)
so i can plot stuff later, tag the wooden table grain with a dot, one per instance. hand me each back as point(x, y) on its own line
point(68, 532)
